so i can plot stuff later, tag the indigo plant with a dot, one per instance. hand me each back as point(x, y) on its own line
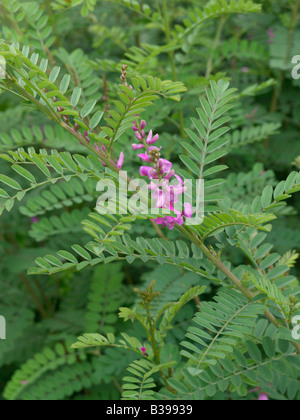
point(189, 107)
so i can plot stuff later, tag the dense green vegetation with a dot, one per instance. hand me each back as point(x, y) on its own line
point(118, 306)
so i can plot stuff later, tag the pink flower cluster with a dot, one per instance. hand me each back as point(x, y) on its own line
point(160, 175)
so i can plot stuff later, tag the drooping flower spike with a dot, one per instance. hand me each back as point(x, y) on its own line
point(120, 161)
point(166, 195)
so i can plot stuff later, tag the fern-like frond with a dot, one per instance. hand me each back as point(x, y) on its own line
point(60, 195)
point(211, 129)
point(219, 327)
point(214, 9)
point(170, 310)
point(271, 273)
point(241, 188)
point(139, 57)
point(265, 282)
point(258, 88)
point(216, 223)
point(29, 22)
point(243, 49)
point(89, 5)
point(48, 360)
point(273, 197)
point(27, 78)
point(123, 342)
point(117, 248)
point(54, 167)
point(131, 103)
point(54, 137)
point(54, 225)
point(256, 364)
point(249, 135)
point(19, 320)
point(104, 299)
point(139, 386)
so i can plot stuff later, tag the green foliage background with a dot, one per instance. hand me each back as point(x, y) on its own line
point(206, 355)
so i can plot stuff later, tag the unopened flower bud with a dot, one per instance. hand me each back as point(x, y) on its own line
point(138, 136)
point(137, 146)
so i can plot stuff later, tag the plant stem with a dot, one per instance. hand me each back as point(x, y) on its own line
point(159, 231)
point(155, 349)
point(153, 342)
point(43, 295)
point(117, 385)
point(34, 297)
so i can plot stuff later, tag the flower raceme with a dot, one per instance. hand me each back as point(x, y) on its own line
point(165, 194)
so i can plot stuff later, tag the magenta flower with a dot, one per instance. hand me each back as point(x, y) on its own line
point(143, 350)
point(35, 220)
point(140, 136)
point(120, 161)
point(188, 211)
point(164, 166)
point(137, 146)
point(152, 139)
point(263, 397)
point(148, 171)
